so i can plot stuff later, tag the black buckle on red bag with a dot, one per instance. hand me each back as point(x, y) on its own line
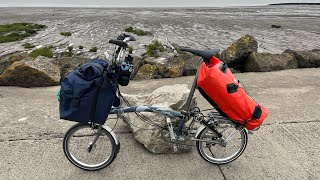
point(257, 112)
point(232, 88)
point(223, 67)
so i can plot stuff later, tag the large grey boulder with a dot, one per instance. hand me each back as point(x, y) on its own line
point(264, 62)
point(306, 59)
point(31, 73)
point(239, 51)
point(171, 97)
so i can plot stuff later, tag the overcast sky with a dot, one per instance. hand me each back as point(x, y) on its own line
point(140, 3)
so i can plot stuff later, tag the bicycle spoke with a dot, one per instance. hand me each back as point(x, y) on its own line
point(210, 151)
point(231, 135)
point(81, 152)
point(225, 150)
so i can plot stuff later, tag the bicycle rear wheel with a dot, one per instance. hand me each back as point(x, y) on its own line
point(79, 150)
point(225, 149)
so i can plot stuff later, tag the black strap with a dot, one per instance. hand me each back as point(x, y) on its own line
point(232, 88)
point(223, 67)
point(93, 109)
point(257, 112)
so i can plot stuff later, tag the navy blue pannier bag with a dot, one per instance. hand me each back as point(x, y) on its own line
point(88, 93)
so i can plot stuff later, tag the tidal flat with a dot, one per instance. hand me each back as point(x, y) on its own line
point(202, 28)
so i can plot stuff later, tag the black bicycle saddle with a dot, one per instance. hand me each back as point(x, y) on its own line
point(205, 54)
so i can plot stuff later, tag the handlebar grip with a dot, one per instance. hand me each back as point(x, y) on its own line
point(124, 36)
point(118, 43)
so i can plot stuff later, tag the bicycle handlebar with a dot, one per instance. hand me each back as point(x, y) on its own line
point(118, 43)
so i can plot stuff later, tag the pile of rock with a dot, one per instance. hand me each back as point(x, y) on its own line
point(22, 70)
point(25, 71)
point(30, 72)
point(169, 65)
point(242, 55)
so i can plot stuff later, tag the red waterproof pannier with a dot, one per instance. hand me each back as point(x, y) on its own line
point(215, 81)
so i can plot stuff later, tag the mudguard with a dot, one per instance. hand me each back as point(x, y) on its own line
point(107, 128)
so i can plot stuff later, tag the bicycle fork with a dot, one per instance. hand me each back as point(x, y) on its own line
point(92, 144)
point(172, 134)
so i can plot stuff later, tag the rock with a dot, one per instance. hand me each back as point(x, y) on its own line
point(171, 97)
point(137, 63)
point(263, 62)
point(147, 71)
point(175, 68)
point(68, 64)
point(79, 52)
point(306, 59)
point(31, 73)
point(169, 65)
point(275, 26)
point(162, 69)
point(6, 61)
point(236, 55)
point(191, 63)
point(234, 71)
point(94, 56)
point(160, 63)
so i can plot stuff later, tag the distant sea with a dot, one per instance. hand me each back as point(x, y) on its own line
point(144, 3)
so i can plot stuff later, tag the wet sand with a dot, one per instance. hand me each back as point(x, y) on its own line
point(198, 28)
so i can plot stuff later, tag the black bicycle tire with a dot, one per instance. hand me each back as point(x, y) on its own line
point(244, 145)
point(69, 157)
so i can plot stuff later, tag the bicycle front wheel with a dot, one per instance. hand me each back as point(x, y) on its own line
point(80, 151)
point(225, 149)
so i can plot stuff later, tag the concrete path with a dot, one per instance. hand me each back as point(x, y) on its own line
point(286, 147)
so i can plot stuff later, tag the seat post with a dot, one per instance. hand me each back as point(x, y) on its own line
point(193, 88)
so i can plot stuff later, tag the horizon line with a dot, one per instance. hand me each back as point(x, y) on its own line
point(102, 6)
point(253, 5)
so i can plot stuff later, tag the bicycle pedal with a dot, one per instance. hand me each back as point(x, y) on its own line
point(175, 147)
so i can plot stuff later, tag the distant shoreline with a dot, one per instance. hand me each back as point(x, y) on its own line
point(165, 7)
point(161, 7)
point(277, 4)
